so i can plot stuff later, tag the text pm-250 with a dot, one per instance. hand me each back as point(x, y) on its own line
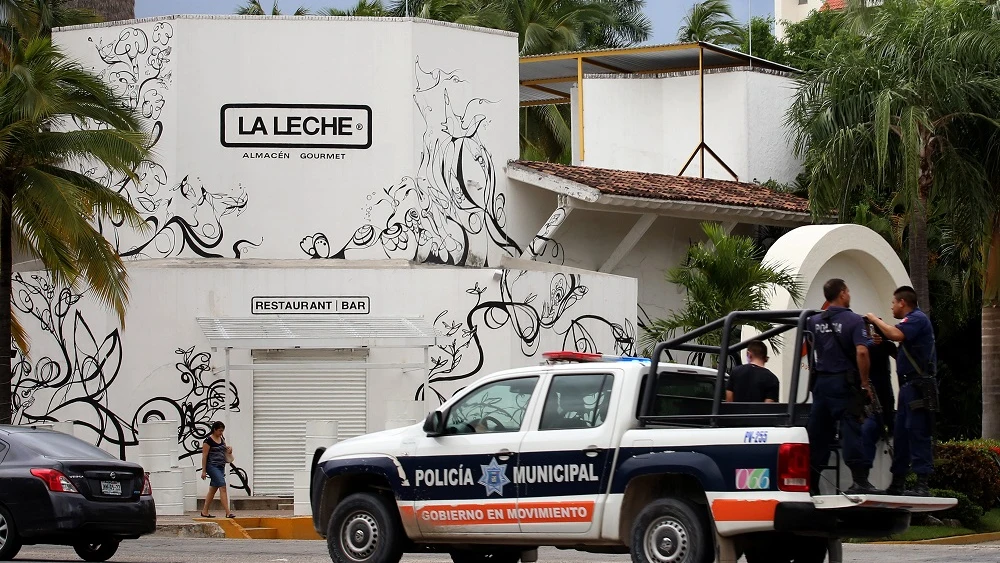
point(567, 454)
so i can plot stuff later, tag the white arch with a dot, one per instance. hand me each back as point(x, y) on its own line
point(816, 253)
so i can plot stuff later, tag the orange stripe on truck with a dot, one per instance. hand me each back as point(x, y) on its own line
point(739, 510)
point(502, 513)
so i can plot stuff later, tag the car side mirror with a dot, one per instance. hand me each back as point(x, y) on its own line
point(434, 423)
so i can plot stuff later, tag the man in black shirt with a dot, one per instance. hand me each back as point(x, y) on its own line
point(752, 382)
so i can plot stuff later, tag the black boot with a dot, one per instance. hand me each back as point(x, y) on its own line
point(898, 485)
point(921, 489)
point(861, 485)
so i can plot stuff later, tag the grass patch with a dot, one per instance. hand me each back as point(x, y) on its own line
point(990, 522)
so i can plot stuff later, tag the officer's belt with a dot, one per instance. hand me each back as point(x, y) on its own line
point(911, 378)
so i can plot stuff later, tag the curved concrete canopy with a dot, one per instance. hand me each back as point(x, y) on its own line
point(816, 253)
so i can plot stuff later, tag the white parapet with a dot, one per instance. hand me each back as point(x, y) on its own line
point(168, 491)
point(66, 427)
point(190, 488)
point(319, 434)
point(157, 429)
point(300, 481)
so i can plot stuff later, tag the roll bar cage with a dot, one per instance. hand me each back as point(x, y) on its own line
point(782, 322)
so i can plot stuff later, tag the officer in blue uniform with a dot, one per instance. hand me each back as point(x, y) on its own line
point(841, 386)
point(879, 423)
point(916, 368)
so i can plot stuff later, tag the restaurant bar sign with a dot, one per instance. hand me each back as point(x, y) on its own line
point(353, 305)
point(326, 126)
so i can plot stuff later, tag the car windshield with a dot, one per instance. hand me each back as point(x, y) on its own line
point(57, 445)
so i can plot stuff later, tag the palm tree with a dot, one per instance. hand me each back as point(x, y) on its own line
point(711, 21)
point(913, 107)
point(719, 276)
point(108, 10)
point(254, 8)
point(893, 111)
point(364, 8)
point(46, 204)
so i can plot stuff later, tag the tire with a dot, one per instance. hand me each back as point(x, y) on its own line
point(498, 556)
point(97, 551)
point(670, 531)
point(365, 529)
point(780, 548)
point(10, 544)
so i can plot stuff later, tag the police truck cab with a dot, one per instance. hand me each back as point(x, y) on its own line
point(600, 454)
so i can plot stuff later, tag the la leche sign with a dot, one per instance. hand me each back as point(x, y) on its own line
point(330, 126)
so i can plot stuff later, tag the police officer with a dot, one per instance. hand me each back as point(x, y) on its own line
point(841, 366)
point(916, 368)
point(879, 423)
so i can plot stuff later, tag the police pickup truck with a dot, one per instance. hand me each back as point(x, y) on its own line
point(608, 455)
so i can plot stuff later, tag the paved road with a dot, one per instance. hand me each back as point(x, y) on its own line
point(180, 550)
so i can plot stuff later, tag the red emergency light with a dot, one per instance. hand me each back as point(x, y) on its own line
point(567, 356)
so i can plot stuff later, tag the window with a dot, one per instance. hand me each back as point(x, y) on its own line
point(801, 2)
point(577, 401)
point(3, 450)
point(57, 445)
point(495, 407)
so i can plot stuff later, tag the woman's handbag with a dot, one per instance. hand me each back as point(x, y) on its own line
point(229, 453)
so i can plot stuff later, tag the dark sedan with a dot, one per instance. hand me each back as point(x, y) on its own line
point(57, 489)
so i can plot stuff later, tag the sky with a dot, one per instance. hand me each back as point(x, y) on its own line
point(666, 15)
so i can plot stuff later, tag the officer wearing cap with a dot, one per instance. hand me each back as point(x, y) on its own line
point(916, 368)
point(841, 383)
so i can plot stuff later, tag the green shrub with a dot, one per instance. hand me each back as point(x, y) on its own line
point(970, 468)
point(966, 511)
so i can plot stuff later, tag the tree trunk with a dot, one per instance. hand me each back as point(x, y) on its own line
point(919, 259)
point(991, 372)
point(6, 265)
point(991, 336)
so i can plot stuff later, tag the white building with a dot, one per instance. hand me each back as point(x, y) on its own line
point(340, 229)
point(794, 11)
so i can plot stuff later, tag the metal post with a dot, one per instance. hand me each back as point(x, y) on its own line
point(229, 509)
point(701, 106)
point(427, 376)
point(227, 388)
point(579, 102)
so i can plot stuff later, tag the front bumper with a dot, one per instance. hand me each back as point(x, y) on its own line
point(70, 518)
point(851, 522)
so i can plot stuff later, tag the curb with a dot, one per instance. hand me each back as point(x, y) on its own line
point(951, 540)
point(192, 530)
point(278, 527)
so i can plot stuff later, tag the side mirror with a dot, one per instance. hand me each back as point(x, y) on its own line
point(434, 423)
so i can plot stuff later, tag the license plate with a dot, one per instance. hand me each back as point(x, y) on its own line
point(111, 488)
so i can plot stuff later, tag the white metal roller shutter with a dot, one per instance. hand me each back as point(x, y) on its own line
point(284, 400)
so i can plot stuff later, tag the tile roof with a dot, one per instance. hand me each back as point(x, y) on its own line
point(672, 188)
point(834, 5)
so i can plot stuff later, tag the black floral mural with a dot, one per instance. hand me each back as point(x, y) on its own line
point(203, 402)
point(528, 319)
point(186, 216)
point(435, 215)
point(74, 384)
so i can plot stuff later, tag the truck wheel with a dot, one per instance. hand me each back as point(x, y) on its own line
point(498, 556)
point(670, 531)
point(364, 529)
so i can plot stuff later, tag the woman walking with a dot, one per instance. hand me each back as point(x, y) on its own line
point(213, 464)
